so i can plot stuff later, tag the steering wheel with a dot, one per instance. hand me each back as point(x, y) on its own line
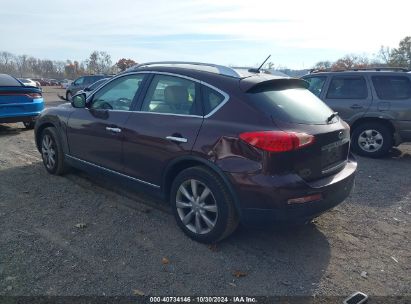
point(122, 103)
point(105, 106)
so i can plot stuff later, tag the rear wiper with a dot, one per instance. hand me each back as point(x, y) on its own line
point(331, 117)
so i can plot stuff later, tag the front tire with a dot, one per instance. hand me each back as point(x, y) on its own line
point(52, 152)
point(371, 139)
point(202, 205)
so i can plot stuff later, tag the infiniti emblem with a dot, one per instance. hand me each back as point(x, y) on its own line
point(341, 135)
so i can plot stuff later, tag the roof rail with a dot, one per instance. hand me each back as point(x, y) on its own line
point(209, 67)
point(394, 69)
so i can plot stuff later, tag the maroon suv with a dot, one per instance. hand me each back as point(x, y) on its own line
point(222, 146)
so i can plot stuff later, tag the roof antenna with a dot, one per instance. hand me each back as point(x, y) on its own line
point(258, 70)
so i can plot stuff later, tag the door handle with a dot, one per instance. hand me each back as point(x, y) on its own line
point(356, 106)
point(177, 139)
point(115, 130)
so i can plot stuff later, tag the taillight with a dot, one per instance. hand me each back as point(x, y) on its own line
point(277, 141)
point(31, 95)
point(34, 95)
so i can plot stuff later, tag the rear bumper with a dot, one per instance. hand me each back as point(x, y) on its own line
point(17, 112)
point(403, 131)
point(268, 203)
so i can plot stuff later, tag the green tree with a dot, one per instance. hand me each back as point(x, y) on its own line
point(401, 56)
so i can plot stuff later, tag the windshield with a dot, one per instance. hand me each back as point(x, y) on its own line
point(295, 105)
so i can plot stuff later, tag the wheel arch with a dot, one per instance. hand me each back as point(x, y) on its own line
point(47, 124)
point(182, 163)
point(39, 131)
point(379, 120)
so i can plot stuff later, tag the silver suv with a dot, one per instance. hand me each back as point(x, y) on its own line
point(376, 103)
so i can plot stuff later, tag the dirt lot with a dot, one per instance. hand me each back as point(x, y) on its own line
point(363, 244)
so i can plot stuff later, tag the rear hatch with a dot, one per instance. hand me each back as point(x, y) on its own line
point(296, 110)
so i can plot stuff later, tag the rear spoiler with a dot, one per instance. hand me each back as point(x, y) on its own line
point(22, 89)
point(274, 85)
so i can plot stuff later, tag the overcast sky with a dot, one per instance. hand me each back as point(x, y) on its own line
point(296, 33)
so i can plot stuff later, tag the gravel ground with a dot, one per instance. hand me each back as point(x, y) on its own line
point(75, 235)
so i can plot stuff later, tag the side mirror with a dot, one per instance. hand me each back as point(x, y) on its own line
point(79, 100)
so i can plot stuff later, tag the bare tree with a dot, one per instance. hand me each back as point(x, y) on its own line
point(21, 62)
point(99, 63)
point(322, 65)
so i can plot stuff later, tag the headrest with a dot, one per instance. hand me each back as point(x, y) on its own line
point(176, 94)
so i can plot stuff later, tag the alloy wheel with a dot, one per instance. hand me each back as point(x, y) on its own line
point(196, 206)
point(370, 140)
point(48, 151)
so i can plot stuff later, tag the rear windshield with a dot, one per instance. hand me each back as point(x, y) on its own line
point(8, 81)
point(296, 105)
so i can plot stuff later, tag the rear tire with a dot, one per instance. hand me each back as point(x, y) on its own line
point(371, 139)
point(202, 205)
point(52, 152)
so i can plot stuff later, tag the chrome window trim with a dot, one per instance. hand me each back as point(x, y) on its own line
point(168, 114)
point(112, 171)
point(225, 100)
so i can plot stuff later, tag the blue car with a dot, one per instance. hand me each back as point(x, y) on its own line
point(19, 103)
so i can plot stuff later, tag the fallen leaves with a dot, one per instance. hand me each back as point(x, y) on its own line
point(239, 274)
point(138, 292)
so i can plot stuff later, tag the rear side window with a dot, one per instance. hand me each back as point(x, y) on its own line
point(171, 95)
point(211, 99)
point(295, 105)
point(347, 88)
point(316, 84)
point(392, 87)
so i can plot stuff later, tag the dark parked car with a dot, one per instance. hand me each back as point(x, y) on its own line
point(376, 103)
point(219, 145)
point(19, 103)
point(81, 83)
point(93, 86)
point(42, 81)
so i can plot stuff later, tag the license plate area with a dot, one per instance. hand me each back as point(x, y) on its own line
point(333, 154)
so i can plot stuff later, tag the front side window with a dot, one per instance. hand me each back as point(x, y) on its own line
point(316, 84)
point(118, 94)
point(347, 88)
point(392, 87)
point(173, 95)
